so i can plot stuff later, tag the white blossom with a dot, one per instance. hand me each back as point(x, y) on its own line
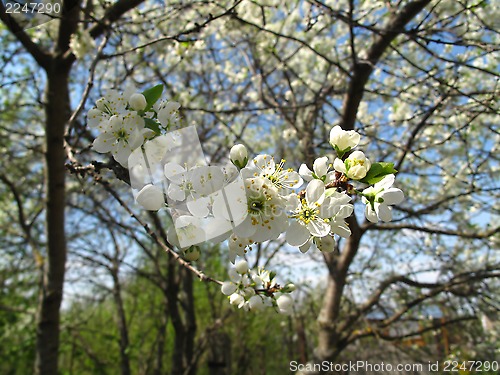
point(81, 43)
point(320, 171)
point(266, 218)
point(379, 197)
point(113, 103)
point(355, 167)
point(263, 166)
point(168, 114)
point(311, 214)
point(120, 136)
point(343, 141)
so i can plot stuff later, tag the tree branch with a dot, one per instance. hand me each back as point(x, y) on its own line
point(387, 337)
point(112, 14)
point(363, 68)
point(41, 57)
point(448, 232)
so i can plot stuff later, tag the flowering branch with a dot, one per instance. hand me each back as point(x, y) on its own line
point(249, 202)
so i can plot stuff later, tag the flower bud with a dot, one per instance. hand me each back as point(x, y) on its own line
point(242, 267)
point(192, 254)
point(102, 104)
point(343, 141)
point(138, 102)
point(256, 303)
point(151, 198)
point(325, 244)
point(239, 156)
point(285, 304)
point(228, 288)
point(355, 167)
point(288, 288)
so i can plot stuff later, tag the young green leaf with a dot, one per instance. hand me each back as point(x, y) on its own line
point(153, 125)
point(152, 95)
point(377, 172)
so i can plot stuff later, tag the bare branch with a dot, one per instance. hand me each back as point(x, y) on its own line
point(42, 57)
point(448, 232)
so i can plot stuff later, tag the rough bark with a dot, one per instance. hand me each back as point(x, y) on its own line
point(330, 342)
point(121, 323)
point(330, 339)
point(184, 325)
point(57, 114)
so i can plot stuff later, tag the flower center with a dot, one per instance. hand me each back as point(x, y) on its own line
point(357, 162)
point(255, 207)
point(306, 214)
point(121, 135)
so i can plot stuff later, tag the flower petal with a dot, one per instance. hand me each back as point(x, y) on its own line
point(207, 179)
point(392, 196)
point(174, 172)
point(290, 179)
point(121, 153)
point(318, 228)
point(297, 234)
point(246, 228)
point(175, 192)
point(103, 143)
point(370, 214)
point(385, 183)
point(325, 244)
point(228, 288)
point(305, 173)
point(292, 202)
point(315, 193)
point(305, 247)
point(320, 166)
point(384, 212)
point(341, 228)
point(265, 163)
point(339, 166)
point(199, 207)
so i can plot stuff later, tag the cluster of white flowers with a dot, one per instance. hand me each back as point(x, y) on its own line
point(251, 201)
point(255, 290)
point(81, 43)
point(126, 120)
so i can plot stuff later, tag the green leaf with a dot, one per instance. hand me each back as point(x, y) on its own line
point(153, 125)
point(377, 172)
point(152, 95)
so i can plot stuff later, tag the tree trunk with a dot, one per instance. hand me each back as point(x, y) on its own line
point(57, 111)
point(161, 340)
point(330, 343)
point(190, 321)
point(184, 325)
point(121, 323)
